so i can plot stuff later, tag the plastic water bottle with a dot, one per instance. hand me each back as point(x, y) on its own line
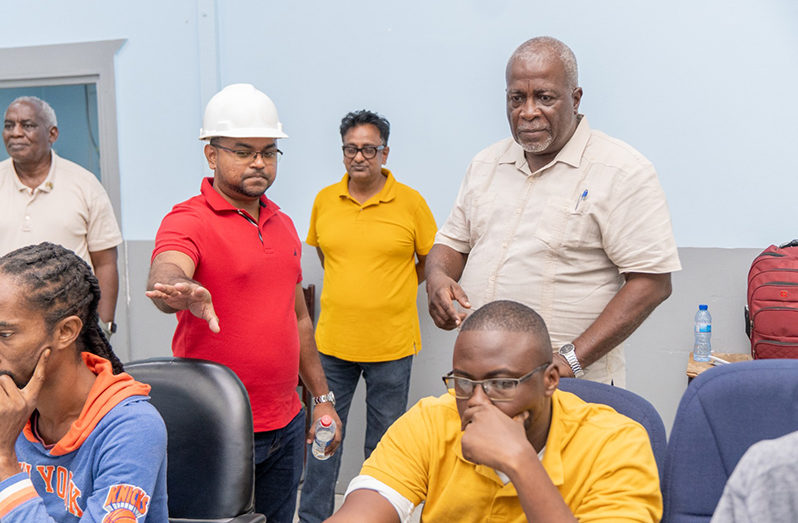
point(325, 432)
point(703, 331)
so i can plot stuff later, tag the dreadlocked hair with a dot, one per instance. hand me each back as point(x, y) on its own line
point(59, 284)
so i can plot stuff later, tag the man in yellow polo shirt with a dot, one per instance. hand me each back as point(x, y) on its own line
point(505, 445)
point(372, 235)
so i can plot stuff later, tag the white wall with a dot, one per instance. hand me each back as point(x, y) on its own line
point(695, 86)
point(701, 88)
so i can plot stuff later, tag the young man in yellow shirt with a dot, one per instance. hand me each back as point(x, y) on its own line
point(505, 445)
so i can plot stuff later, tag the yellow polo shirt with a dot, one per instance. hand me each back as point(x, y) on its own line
point(600, 461)
point(368, 302)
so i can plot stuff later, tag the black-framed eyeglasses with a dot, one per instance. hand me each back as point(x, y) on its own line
point(248, 155)
point(368, 152)
point(497, 389)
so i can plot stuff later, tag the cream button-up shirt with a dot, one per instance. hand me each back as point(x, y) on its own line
point(560, 239)
point(70, 207)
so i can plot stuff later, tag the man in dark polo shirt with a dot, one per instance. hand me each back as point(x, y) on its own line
point(228, 263)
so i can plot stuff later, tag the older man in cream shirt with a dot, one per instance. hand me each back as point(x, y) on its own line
point(560, 217)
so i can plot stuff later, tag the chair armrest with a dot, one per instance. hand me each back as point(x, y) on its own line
point(244, 518)
point(249, 518)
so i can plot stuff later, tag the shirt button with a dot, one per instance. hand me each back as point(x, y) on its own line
point(493, 278)
point(27, 218)
point(518, 211)
point(504, 245)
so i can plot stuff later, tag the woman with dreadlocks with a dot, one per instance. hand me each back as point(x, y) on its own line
point(89, 445)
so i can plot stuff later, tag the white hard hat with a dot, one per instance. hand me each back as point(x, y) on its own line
point(241, 111)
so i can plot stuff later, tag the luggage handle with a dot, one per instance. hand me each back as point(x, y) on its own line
point(793, 243)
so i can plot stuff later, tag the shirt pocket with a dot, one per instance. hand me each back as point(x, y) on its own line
point(480, 215)
point(563, 225)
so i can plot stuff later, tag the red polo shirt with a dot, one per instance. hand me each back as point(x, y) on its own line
point(251, 272)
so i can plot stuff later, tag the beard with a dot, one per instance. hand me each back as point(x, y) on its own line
point(537, 147)
point(251, 193)
point(243, 189)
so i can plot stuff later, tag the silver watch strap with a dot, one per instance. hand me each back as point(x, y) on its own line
point(574, 363)
point(325, 398)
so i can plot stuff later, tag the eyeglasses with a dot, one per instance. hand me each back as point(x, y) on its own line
point(368, 152)
point(497, 389)
point(249, 156)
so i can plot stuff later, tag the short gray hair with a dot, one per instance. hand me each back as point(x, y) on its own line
point(552, 47)
point(43, 109)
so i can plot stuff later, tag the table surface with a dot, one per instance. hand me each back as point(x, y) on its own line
point(694, 368)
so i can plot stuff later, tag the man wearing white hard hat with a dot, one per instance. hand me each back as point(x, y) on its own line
point(228, 263)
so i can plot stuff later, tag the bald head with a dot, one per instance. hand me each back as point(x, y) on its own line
point(551, 48)
point(510, 316)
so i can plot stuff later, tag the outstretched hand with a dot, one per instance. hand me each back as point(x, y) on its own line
point(16, 407)
point(187, 296)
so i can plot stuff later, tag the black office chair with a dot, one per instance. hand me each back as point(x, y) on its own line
point(627, 403)
point(210, 450)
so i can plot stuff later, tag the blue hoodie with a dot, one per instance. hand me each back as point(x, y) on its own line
point(109, 467)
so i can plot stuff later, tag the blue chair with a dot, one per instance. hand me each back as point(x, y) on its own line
point(210, 474)
point(724, 411)
point(627, 403)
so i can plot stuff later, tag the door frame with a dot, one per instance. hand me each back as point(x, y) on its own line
point(81, 63)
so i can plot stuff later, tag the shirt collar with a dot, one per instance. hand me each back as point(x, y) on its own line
point(575, 148)
point(480, 469)
point(559, 435)
point(386, 194)
point(217, 202)
point(570, 154)
point(48, 183)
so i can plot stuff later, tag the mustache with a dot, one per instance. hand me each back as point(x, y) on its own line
point(14, 378)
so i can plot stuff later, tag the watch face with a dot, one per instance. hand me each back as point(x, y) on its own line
point(565, 349)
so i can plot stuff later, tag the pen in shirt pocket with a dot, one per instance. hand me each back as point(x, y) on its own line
point(581, 199)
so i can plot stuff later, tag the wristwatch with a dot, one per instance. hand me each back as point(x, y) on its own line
point(325, 398)
point(567, 351)
point(108, 328)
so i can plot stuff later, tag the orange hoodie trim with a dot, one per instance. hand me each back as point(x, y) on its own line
point(106, 393)
point(15, 495)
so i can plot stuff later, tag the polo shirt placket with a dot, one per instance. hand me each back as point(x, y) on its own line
point(31, 195)
point(362, 243)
